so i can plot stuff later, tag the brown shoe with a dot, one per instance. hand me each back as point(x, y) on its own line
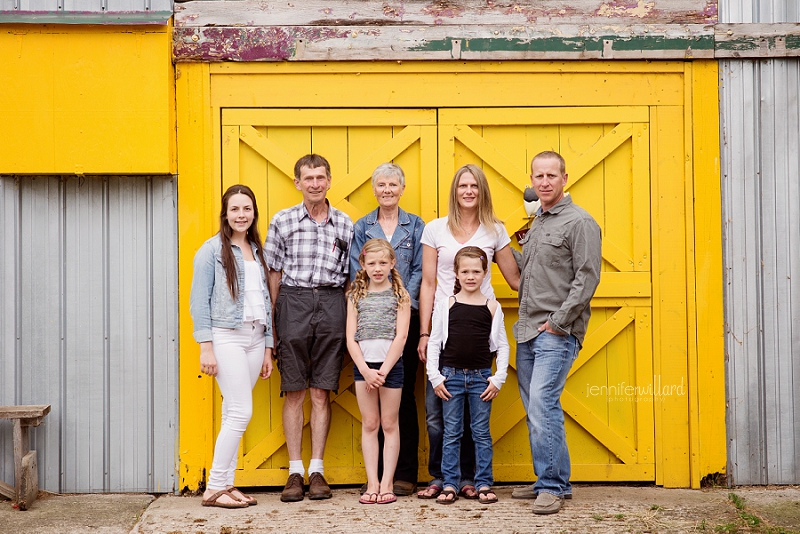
point(317, 487)
point(293, 490)
point(404, 489)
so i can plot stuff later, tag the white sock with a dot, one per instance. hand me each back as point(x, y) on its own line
point(316, 466)
point(297, 467)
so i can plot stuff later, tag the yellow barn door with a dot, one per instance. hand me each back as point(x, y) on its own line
point(259, 149)
point(608, 399)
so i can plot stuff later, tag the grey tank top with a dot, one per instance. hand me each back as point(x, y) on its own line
point(377, 316)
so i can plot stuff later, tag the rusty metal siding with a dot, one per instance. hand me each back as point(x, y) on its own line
point(760, 165)
point(88, 324)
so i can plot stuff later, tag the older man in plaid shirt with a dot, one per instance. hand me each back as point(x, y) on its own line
point(308, 254)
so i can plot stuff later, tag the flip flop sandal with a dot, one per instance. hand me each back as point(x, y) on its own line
point(391, 499)
point(212, 501)
point(367, 498)
point(447, 493)
point(469, 492)
point(487, 500)
point(424, 494)
point(247, 498)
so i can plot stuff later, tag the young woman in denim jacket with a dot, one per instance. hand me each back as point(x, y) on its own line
point(232, 316)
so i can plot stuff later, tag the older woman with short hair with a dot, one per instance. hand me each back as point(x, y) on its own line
point(404, 232)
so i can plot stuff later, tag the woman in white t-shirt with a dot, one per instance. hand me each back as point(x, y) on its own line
point(470, 221)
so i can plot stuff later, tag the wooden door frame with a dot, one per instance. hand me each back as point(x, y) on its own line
point(687, 244)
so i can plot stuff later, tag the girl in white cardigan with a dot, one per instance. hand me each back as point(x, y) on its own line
point(468, 329)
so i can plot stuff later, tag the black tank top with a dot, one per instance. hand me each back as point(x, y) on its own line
point(469, 329)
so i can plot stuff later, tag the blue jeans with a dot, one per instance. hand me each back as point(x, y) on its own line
point(434, 419)
point(466, 386)
point(542, 367)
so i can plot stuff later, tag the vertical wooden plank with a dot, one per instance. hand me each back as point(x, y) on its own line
point(709, 269)
point(641, 197)
point(428, 190)
point(669, 296)
point(691, 319)
point(447, 164)
point(656, 295)
point(196, 215)
point(230, 157)
point(645, 408)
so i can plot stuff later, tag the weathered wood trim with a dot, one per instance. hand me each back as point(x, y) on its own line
point(350, 30)
point(442, 13)
point(757, 40)
point(349, 43)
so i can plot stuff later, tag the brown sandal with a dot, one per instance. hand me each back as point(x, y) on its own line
point(483, 496)
point(445, 496)
point(245, 497)
point(212, 501)
point(426, 493)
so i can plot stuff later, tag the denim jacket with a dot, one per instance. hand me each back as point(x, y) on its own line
point(406, 242)
point(210, 302)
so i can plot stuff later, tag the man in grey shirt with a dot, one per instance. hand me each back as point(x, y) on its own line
point(560, 270)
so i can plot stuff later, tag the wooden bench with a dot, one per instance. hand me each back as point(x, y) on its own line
point(26, 472)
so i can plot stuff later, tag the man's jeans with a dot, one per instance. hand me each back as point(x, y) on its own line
point(465, 387)
point(542, 367)
point(435, 423)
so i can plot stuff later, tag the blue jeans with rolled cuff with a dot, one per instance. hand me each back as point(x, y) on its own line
point(465, 387)
point(434, 418)
point(543, 364)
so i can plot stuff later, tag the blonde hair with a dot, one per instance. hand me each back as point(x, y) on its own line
point(468, 252)
point(358, 289)
point(550, 154)
point(486, 214)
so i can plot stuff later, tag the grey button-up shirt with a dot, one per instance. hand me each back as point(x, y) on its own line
point(560, 270)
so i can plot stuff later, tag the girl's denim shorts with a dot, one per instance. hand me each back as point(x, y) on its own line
point(394, 380)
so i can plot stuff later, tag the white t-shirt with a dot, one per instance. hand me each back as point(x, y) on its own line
point(438, 236)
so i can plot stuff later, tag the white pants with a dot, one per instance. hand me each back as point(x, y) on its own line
point(240, 354)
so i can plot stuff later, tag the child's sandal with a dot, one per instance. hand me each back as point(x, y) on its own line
point(431, 492)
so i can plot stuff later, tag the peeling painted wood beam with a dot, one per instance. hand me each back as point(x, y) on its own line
point(442, 12)
point(757, 40)
point(348, 43)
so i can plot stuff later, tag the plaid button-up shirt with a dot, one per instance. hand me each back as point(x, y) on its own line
point(310, 254)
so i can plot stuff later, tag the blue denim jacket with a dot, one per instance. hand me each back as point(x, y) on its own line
point(407, 244)
point(210, 302)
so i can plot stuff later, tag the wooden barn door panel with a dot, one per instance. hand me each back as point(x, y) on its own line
point(259, 148)
point(608, 400)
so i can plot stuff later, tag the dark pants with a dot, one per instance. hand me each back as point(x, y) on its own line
point(408, 460)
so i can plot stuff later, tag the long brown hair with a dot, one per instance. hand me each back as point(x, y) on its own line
point(358, 289)
point(225, 233)
point(486, 214)
point(468, 252)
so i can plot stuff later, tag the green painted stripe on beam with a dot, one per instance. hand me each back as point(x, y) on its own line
point(792, 42)
point(570, 44)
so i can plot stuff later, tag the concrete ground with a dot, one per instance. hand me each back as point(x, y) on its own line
point(595, 508)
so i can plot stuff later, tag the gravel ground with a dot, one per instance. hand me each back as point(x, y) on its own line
point(595, 508)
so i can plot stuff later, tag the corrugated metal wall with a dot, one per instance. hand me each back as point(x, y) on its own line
point(88, 324)
point(760, 165)
point(86, 6)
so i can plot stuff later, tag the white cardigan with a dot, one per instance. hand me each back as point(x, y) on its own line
point(498, 341)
